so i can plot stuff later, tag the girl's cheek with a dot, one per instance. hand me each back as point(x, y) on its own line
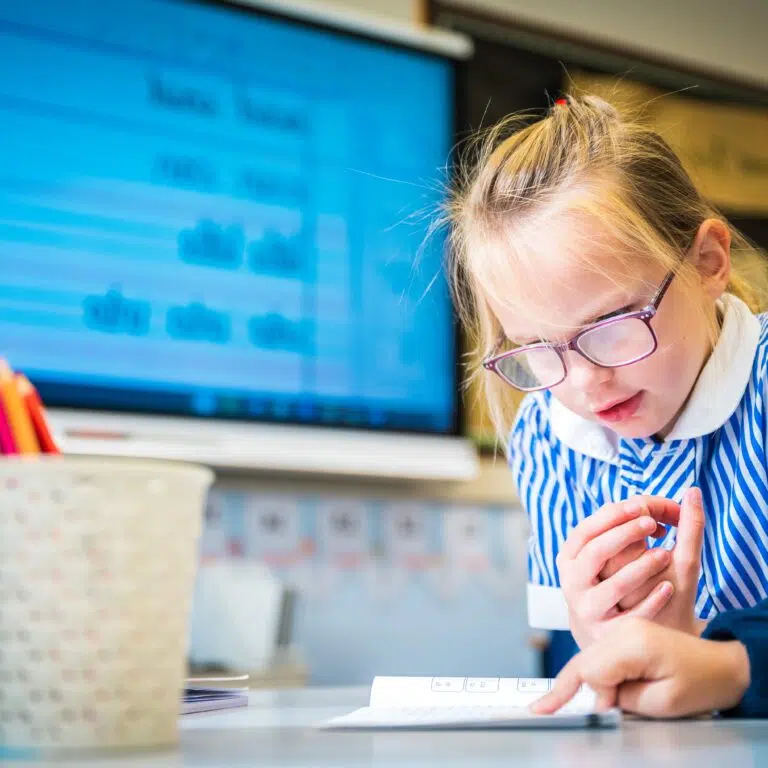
point(675, 363)
point(663, 366)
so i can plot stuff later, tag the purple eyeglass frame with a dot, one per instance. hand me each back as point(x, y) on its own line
point(491, 363)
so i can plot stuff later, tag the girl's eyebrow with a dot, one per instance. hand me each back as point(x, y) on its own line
point(609, 315)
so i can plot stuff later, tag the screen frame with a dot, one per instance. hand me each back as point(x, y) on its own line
point(455, 56)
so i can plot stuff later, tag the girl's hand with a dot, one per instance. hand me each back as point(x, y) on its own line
point(654, 671)
point(592, 603)
point(629, 555)
point(683, 571)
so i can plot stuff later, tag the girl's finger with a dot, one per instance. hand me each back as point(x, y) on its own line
point(600, 599)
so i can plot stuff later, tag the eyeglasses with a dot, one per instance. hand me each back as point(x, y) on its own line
point(611, 343)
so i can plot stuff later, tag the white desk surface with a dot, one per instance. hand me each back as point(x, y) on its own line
point(276, 731)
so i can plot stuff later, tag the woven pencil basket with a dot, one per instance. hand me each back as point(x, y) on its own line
point(97, 565)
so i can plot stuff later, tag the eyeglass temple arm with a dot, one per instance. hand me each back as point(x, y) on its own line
point(659, 295)
point(496, 347)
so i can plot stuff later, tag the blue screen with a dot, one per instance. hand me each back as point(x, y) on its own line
point(212, 212)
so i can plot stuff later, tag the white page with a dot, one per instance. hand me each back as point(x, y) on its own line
point(394, 692)
point(460, 717)
point(468, 702)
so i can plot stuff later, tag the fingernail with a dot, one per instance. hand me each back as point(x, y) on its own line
point(647, 524)
point(660, 531)
point(662, 554)
point(665, 588)
point(694, 496)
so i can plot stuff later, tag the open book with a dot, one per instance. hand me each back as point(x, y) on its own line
point(469, 702)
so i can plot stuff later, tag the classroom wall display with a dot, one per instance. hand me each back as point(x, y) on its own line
point(386, 586)
point(219, 212)
point(406, 549)
point(315, 542)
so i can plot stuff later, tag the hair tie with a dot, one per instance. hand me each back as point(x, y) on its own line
point(561, 102)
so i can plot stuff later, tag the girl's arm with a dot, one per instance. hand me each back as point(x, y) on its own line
point(750, 628)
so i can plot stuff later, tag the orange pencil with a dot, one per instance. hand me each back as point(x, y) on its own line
point(18, 418)
point(36, 411)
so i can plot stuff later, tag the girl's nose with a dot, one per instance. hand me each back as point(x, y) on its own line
point(585, 375)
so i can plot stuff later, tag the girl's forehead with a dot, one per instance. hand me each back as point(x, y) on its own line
point(554, 292)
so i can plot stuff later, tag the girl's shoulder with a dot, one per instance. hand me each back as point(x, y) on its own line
point(760, 366)
point(532, 421)
point(758, 386)
point(763, 320)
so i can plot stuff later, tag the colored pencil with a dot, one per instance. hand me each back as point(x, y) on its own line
point(37, 414)
point(18, 418)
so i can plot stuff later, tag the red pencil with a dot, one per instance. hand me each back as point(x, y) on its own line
point(36, 412)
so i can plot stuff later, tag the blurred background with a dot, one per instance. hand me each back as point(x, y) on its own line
point(214, 247)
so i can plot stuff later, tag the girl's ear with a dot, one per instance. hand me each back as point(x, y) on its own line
point(711, 254)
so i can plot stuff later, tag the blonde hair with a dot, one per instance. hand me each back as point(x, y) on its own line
point(582, 158)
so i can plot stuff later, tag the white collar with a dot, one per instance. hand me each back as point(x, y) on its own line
point(716, 394)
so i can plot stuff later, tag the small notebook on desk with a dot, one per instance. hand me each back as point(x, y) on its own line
point(209, 699)
point(207, 694)
point(468, 702)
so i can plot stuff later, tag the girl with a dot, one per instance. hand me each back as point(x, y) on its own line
point(596, 278)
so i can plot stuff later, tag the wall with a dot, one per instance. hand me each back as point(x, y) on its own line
point(384, 586)
point(708, 34)
point(403, 10)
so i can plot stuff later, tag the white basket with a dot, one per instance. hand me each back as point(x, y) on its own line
point(97, 565)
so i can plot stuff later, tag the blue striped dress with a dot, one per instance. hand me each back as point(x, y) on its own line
point(566, 467)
